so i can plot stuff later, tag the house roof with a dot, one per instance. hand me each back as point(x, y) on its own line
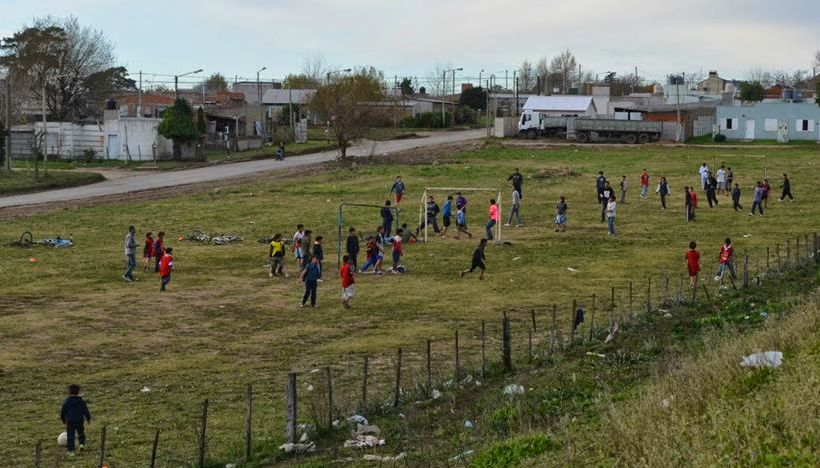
point(559, 103)
point(285, 96)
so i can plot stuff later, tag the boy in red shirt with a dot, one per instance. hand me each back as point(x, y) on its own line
point(166, 265)
point(726, 259)
point(398, 253)
point(693, 263)
point(644, 183)
point(147, 251)
point(348, 283)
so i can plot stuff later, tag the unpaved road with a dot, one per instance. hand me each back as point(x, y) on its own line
point(158, 180)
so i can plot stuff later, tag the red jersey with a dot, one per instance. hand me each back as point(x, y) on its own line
point(148, 249)
point(397, 245)
point(694, 199)
point(347, 275)
point(166, 265)
point(644, 179)
point(726, 252)
point(693, 262)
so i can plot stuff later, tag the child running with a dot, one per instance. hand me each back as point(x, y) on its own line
point(726, 259)
point(166, 266)
point(348, 286)
point(478, 261)
point(693, 263)
point(446, 213)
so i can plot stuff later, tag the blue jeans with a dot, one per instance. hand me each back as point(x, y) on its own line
point(644, 189)
point(728, 265)
point(387, 225)
point(165, 280)
point(757, 205)
point(369, 263)
point(489, 228)
point(132, 263)
point(611, 223)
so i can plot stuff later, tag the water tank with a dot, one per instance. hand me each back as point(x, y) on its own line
point(797, 96)
point(110, 104)
point(657, 89)
point(730, 88)
point(788, 94)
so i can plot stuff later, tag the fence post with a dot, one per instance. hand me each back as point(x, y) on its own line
point(777, 252)
point(680, 289)
point(612, 304)
point(290, 408)
point(483, 350)
point(329, 376)
point(202, 433)
point(767, 259)
point(705, 291)
point(649, 295)
point(552, 333)
point(592, 318)
point(532, 314)
point(38, 453)
point(666, 289)
point(745, 270)
point(788, 253)
point(797, 250)
point(572, 321)
point(429, 370)
point(398, 380)
point(248, 422)
point(102, 448)
point(529, 344)
point(364, 386)
point(154, 449)
point(506, 343)
point(458, 361)
point(631, 309)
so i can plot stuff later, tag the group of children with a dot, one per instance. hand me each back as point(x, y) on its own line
point(152, 249)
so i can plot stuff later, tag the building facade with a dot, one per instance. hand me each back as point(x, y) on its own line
point(770, 121)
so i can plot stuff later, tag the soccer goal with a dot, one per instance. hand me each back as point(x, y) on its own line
point(445, 191)
point(341, 224)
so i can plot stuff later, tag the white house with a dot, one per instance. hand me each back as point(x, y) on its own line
point(562, 106)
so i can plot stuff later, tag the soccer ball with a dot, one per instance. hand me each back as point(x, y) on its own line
point(62, 439)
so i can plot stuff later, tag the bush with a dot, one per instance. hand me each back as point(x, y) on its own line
point(720, 138)
point(512, 452)
point(466, 115)
point(427, 120)
point(282, 135)
point(89, 154)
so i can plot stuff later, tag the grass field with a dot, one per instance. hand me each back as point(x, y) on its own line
point(70, 318)
point(19, 182)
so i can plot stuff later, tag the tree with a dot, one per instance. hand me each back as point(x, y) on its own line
point(526, 77)
point(436, 85)
point(62, 54)
point(300, 82)
point(178, 125)
point(100, 86)
point(817, 93)
point(200, 121)
point(215, 84)
point(474, 98)
point(406, 87)
point(315, 68)
point(752, 91)
point(347, 103)
point(563, 68)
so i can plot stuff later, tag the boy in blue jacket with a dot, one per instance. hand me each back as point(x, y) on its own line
point(72, 413)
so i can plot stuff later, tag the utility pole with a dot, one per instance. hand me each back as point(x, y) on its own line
point(45, 135)
point(8, 123)
point(677, 92)
point(139, 106)
point(443, 92)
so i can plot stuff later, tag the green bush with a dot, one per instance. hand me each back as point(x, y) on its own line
point(282, 135)
point(427, 120)
point(512, 452)
point(720, 138)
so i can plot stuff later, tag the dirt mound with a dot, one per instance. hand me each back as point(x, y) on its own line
point(555, 172)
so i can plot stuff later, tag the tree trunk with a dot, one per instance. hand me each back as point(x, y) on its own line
point(177, 151)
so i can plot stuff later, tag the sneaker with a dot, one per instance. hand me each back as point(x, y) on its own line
point(717, 278)
point(82, 447)
point(507, 225)
point(270, 275)
point(519, 225)
point(301, 306)
point(780, 199)
point(751, 214)
point(70, 454)
point(127, 279)
point(314, 306)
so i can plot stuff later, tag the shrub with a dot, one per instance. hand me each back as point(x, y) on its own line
point(720, 138)
point(512, 452)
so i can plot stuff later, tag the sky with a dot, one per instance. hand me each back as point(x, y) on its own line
point(238, 37)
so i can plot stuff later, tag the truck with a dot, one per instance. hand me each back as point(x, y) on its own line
point(534, 124)
point(585, 130)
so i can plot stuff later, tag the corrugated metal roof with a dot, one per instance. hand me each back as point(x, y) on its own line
point(558, 103)
point(283, 96)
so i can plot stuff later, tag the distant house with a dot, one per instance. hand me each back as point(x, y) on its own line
point(765, 120)
point(713, 84)
point(153, 105)
point(276, 100)
point(562, 106)
point(253, 91)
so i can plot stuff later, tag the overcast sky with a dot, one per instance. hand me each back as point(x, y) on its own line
point(237, 37)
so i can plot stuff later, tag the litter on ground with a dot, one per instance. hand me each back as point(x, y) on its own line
point(298, 448)
point(764, 359)
point(365, 436)
point(573, 270)
point(379, 458)
point(590, 353)
point(513, 389)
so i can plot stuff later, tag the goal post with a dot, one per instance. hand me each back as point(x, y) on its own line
point(452, 190)
point(340, 222)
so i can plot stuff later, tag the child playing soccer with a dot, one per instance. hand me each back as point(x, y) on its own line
point(397, 250)
point(693, 263)
point(311, 276)
point(461, 224)
point(478, 261)
point(72, 413)
point(277, 256)
point(159, 249)
point(348, 286)
point(147, 251)
point(370, 251)
point(446, 213)
point(166, 265)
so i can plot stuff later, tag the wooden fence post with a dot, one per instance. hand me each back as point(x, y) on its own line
point(506, 343)
point(777, 252)
point(154, 449)
point(248, 421)
point(458, 361)
point(552, 333)
point(102, 448)
point(529, 344)
point(631, 309)
point(398, 380)
point(532, 314)
point(329, 376)
point(203, 434)
point(483, 350)
point(38, 454)
point(290, 408)
point(429, 369)
point(705, 291)
point(572, 321)
point(364, 385)
point(612, 304)
point(745, 270)
point(788, 253)
point(649, 295)
point(592, 318)
point(666, 289)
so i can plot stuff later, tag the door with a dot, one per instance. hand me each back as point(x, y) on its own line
point(113, 148)
point(750, 130)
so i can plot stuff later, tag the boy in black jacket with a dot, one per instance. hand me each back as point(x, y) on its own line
point(353, 247)
point(72, 413)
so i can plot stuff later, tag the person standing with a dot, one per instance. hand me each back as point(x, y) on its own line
point(73, 413)
point(277, 256)
point(387, 217)
point(478, 261)
point(352, 247)
point(517, 179)
point(165, 268)
point(159, 249)
point(461, 205)
point(515, 209)
point(311, 276)
point(605, 194)
point(147, 251)
point(611, 207)
point(130, 254)
point(663, 191)
point(787, 189)
point(766, 187)
point(704, 174)
point(694, 195)
point(492, 219)
point(299, 246)
point(430, 216)
point(711, 190)
point(758, 199)
point(348, 282)
point(561, 215)
point(726, 259)
point(693, 263)
point(600, 182)
point(730, 178)
point(446, 214)
point(398, 189)
point(736, 198)
point(380, 243)
point(687, 198)
point(644, 184)
point(318, 250)
point(398, 252)
point(623, 189)
point(721, 180)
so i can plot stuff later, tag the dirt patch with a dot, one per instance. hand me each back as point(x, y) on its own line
point(555, 172)
point(417, 156)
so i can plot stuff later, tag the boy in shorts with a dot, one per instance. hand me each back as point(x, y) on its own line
point(478, 260)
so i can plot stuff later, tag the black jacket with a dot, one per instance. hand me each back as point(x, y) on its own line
point(352, 245)
point(74, 409)
point(387, 215)
point(318, 252)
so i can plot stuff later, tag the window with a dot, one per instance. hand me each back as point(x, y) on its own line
point(804, 125)
point(770, 125)
point(728, 124)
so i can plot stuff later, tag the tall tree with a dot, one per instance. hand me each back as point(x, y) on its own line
point(526, 77)
point(300, 81)
point(406, 87)
point(474, 98)
point(178, 125)
point(347, 103)
point(436, 83)
point(752, 91)
point(563, 68)
point(214, 84)
point(542, 71)
point(100, 86)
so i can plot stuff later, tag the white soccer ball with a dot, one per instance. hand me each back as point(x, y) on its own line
point(62, 439)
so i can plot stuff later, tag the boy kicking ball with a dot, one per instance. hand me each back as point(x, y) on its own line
point(348, 283)
point(478, 261)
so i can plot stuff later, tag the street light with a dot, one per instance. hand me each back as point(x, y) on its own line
point(444, 89)
point(176, 81)
point(259, 97)
point(333, 72)
point(479, 77)
point(490, 84)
